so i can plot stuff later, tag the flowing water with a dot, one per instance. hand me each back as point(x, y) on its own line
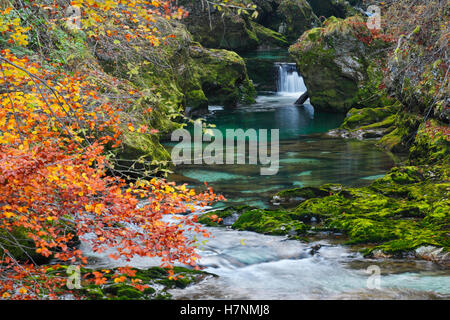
point(256, 266)
point(288, 80)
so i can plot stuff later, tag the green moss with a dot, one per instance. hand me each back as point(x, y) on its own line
point(196, 100)
point(333, 62)
point(154, 277)
point(357, 118)
point(298, 16)
point(207, 219)
point(268, 37)
point(269, 222)
point(431, 145)
point(400, 212)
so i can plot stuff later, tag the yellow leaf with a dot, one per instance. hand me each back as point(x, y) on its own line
point(9, 214)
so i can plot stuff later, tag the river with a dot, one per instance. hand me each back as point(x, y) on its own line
point(256, 266)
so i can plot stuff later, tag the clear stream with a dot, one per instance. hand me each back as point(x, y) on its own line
point(256, 266)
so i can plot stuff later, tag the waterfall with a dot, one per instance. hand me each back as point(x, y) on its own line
point(289, 81)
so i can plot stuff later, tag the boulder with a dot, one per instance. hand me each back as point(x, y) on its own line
point(334, 62)
point(300, 101)
point(213, 29)
point(180, 76)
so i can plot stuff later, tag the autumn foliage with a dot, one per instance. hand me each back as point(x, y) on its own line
point(55, 189)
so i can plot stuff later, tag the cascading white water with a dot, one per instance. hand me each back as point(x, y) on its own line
point(289, 81)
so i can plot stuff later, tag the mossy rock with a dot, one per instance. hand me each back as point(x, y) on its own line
point(367, 118)
point(220, 215)
point(214, 30)
point(397, 213)
point(333, 62)
point(328, 8)
point(156, 278)
point(20, 246)
point(292, 197)
point(268, 38)
point(298, 17)
point(431, 144)
point(270, 222)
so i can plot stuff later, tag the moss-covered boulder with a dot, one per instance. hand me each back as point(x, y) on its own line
point(397, 213)
point(274, 222)
point(268, 38)
point(220, 75)
point(334, 62)
point(16, 243)
point(431, 143)
point(183, 73)
point(297, 17)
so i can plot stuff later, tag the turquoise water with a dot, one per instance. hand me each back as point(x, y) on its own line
point(307, 156)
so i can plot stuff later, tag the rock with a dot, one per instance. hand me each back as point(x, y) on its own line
point(212, 30)
point(379, 254)
point(220, 75)
point(262, 72)
point(292, 197)
point(269, 39)
point(20, 246)
point(418, 69)
point(315, 249)
point(186, 73)
point(297, 17)
point(334, 63)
